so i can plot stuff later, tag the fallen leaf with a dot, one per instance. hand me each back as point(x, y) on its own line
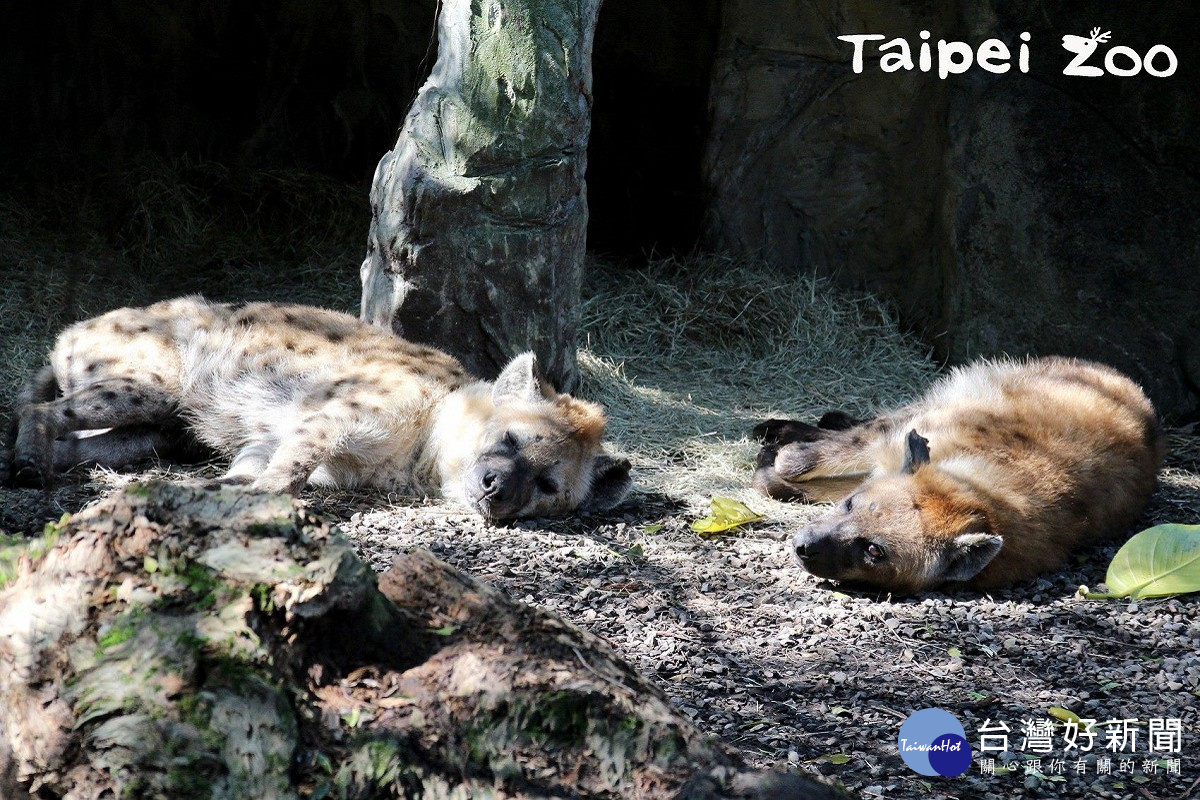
point(725, 515)
point(1064, 714)
point(1159, 561)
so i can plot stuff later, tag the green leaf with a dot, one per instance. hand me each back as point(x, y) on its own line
point(726, 514)
point(838, 758)
point(1159, 561)
point(652, 528)
point(954, 652)
point(1064, 714)
point(150, 564)
point(446, 631)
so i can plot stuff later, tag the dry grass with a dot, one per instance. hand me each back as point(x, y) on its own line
point(164, 229)
point(688, 356)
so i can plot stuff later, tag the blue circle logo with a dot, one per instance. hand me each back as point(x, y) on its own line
point(933, 742)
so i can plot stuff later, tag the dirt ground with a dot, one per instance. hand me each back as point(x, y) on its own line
point(798, 675)
point(794, 673)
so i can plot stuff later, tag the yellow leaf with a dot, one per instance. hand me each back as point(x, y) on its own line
point(1064, 714)
point(726, 514)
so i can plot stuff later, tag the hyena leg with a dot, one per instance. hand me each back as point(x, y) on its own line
point(817, 463)
point(111, 403)
point(114, 448)
point(40, 389)
point(783, 431)
point(316, 440)
point(248, 465)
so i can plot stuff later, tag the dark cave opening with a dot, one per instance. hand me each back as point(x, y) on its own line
point(94, 89)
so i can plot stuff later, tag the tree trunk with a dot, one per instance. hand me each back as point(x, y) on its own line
point(177, 642)
point(478, 216)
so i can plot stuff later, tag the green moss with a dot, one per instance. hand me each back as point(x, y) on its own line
point(120, 630)
point(377, 765)
point(261, 593)
point(11, 549)
point(558, 718)
point(201, 582)
point(280, 526)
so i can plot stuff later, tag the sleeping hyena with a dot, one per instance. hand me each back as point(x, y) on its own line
point(997, 473)
point(296, 395)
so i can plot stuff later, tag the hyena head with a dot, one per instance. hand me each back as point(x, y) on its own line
point(903, 532)
point(527, 451)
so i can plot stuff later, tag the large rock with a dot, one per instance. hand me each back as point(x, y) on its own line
point(179, 642)
point(1015, 213)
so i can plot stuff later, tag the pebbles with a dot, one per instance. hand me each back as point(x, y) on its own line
point(792, 672)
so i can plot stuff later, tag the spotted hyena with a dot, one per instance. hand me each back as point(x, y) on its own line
point(997, 473)
point(295, 395)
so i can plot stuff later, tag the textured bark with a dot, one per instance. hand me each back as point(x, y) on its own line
point(479, 214)
point(177, 642)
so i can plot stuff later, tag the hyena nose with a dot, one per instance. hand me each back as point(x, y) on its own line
point(802, 545)
point(489, 482)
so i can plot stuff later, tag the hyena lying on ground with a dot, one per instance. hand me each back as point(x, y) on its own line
point(298, 395)
point(996, 474)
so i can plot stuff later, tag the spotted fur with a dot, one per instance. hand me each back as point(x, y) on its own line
point(295, 395)
point(998, 473)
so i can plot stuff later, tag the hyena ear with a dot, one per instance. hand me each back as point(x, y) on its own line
point(916, 452)
point(968, 553)
point(610, 483)
point(521, 382)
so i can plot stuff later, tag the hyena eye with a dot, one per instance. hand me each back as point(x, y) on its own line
point(875, 552)
point(547, 486)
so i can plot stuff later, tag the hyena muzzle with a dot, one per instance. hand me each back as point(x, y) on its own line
point(296, 395)
point(999, 472)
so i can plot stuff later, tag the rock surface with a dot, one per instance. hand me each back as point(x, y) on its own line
point(190, 643)
point(1014, 213)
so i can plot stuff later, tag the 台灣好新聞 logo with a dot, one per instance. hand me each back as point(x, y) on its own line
point(933, 742)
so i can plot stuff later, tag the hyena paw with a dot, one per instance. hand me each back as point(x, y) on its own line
point(227, 480)
point(783, 431)
point(276, 484)
point(767, 478)
point(22, 472)
point(796, 460)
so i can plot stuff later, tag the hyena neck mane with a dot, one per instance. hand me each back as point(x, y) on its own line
point(516, 447)
point(459, 424)
point(468, 419)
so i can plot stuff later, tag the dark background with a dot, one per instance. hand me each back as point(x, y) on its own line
point(999, 214)
point(90, 86)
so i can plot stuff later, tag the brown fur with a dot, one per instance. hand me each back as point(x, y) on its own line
point(997, 474)
point(297, 395)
